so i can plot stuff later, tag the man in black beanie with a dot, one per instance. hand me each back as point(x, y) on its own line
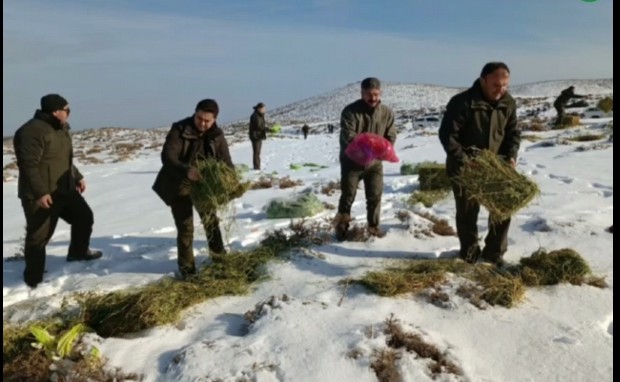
point(50, 187)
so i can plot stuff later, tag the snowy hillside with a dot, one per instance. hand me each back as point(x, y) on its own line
point(409, 99)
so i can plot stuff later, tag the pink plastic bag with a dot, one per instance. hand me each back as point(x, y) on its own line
point(367, 147)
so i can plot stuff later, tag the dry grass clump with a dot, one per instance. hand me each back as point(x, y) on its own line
point(496, 185)
point(492, 286)
point(428, 198)
point(10, 166)
point(440, 226)
point(568, 122)
point(531, 137)
point(330, 188)
point(403, 216)
point(606, 104)
point(411, 277)
point(551, 268)
point(162, 302)
point(287, 182)
point(398, 338)
point(263, 182)
point(385, 366)
point(587, 137)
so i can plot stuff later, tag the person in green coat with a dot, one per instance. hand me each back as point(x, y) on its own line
point(367, 114)
point(482, 117)
point(50, 187)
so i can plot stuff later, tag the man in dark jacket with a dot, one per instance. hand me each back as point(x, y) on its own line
point(561, 101)
point(367, 114)
point(189, 140)
point(482, 117)
point(258, 133)
point(50, 187)
point(305, 129)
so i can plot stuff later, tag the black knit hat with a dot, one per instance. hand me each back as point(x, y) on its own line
point(52, 102)
point(259, 105)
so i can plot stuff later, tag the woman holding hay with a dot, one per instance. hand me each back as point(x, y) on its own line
point(481, 118)
point(189, 140)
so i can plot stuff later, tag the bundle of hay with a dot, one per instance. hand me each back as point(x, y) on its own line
point(304, 205)
point(551, 268)
point(496, 185)
point(408, 169)
point(218, 185)
point(568, 121)
point(432, 176)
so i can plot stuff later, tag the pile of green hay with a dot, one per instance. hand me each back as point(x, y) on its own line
point(496, 185)
point(217, 186)
point(304, 205)
point(408, 169)
point(550, 268)
point(162, 302)
point(432, 176)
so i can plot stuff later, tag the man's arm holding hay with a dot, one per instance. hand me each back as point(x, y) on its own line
point(509, 148)
point(171, 152)
point(452, 123)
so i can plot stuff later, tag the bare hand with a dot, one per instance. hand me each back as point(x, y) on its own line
point(192, 174)
point(513, 162)
point(81, 186)
point(45, 201)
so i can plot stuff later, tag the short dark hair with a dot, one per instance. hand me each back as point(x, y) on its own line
point(208, 106)
point(371, 83)
point(491, 67)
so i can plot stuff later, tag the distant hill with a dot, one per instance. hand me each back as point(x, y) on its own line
point(402, 96)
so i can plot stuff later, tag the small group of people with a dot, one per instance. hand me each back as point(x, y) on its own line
point(50, 186)
point(481, 117)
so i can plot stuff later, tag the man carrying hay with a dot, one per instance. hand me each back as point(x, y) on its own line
point(482, 117)
point(367, 114)
point(187, 141)
point(562, 100)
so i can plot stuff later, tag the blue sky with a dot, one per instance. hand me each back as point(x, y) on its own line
point(147, 63)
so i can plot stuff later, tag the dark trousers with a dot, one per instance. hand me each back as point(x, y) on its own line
point(350, 176)
point(560, 110)
point(256, 146)
point(183, 214)
point(496, 242)
point(305, 135)
point(40, 226)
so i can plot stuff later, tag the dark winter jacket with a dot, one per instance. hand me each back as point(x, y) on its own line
point(183, 147)
point(565, 96)
point(358, 117)
point(44, 152)
point(258, 131)
point(471, 122)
